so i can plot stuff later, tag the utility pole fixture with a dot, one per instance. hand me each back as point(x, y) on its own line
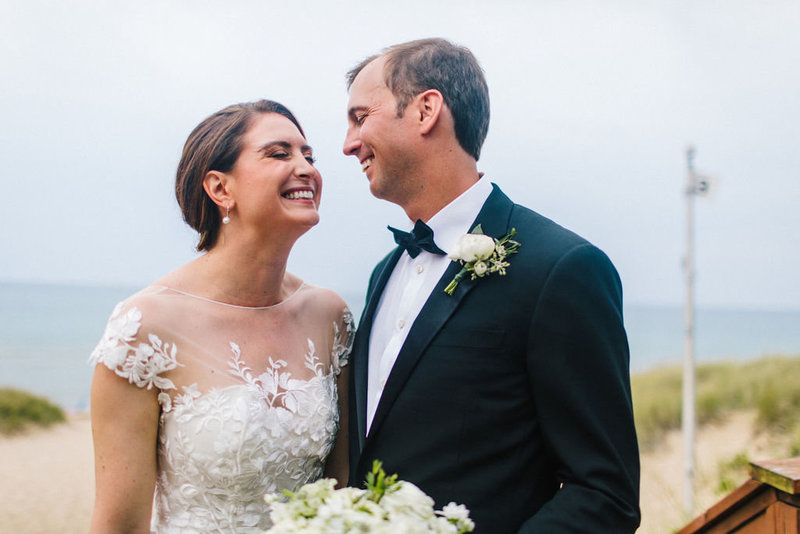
point(696, 185)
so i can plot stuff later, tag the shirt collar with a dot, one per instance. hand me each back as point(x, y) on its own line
point(448, 224)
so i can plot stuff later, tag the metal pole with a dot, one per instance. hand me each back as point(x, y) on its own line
point(689, 421)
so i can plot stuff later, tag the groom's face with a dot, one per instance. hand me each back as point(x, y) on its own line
point(382, 141)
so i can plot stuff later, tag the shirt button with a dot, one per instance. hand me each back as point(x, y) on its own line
point(383, 383)
point(400, 324)
point(420, 268)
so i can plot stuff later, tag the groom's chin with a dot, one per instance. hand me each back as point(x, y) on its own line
point(381, 192)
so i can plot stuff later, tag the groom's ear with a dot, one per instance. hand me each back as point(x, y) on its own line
point(429, 107)
point(215, 184)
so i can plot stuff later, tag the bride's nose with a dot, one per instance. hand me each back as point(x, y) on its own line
point(304, 168)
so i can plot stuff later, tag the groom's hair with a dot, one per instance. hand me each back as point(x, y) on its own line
point(215, 145)
point(417, 66)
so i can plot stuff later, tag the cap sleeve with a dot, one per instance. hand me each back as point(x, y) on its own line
point(342, 341)
point(136, 357)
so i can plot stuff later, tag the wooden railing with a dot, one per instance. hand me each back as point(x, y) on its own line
point(767, 503)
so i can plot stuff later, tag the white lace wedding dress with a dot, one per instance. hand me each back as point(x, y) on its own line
point(248, 398)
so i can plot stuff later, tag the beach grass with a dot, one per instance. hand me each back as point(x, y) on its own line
point(770, 385)
point(20, 410)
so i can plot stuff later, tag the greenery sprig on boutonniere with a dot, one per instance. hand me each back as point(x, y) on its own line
point(481, 255)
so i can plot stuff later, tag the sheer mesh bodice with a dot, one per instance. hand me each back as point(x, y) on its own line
point(248, 398)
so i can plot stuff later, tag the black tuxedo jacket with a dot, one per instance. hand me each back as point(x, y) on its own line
point(512, 396)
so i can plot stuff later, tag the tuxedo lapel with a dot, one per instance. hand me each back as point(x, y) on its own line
point(439, 307)
point(361, 342)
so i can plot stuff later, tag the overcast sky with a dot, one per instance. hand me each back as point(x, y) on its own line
point(593, 106)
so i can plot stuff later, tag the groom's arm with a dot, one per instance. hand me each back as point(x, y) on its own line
point(578, 365)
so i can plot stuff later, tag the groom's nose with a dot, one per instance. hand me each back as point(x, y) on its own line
point(352, 142)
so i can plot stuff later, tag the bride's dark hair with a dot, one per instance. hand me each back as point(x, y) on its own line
point(214, 145)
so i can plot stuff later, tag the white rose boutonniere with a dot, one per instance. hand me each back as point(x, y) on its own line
point(481, 255)
point(472, 247)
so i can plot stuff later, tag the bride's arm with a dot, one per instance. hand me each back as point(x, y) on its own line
point(124, 430)
point(338, 466)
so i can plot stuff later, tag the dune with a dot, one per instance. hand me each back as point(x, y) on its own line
point(717, 445)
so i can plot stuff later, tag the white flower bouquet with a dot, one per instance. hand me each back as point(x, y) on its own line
point(387, 506)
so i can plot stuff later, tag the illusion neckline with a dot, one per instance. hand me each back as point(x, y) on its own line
point(229, 305)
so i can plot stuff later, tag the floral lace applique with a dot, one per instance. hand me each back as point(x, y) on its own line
point(312, 361)
point(275, 386)
point(340, 354)
point(140, 365)
point(185, 399)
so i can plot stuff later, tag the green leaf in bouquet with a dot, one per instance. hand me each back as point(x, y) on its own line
point(378, 484)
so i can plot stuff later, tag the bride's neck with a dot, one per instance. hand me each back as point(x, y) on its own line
point(245, 275)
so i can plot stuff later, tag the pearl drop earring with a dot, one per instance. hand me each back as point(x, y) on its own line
point(227, 218)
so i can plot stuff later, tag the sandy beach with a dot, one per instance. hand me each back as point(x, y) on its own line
point(47, 481)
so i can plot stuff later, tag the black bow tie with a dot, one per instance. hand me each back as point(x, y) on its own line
point(418, 239)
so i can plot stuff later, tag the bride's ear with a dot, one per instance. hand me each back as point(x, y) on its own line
point(215, 184)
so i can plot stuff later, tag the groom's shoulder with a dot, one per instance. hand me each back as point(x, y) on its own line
point(525, 219)
point(542, 231)
point(547, 244)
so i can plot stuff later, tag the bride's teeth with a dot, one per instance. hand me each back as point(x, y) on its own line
point(294, 195)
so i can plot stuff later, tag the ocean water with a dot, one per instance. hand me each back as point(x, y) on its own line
point(48, 331)
point(46, 335)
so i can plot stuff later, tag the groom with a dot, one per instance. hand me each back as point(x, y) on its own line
point(512, 394)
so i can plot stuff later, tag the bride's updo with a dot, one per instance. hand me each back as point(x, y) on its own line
point(214, 145)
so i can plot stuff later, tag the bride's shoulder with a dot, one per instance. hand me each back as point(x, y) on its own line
point(131, 345)
point(148, 304)
point(324, 300)
point(328, 309)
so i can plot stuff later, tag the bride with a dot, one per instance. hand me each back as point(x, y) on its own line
point(225, 379)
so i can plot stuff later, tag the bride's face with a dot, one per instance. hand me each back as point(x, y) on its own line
point(274, 182)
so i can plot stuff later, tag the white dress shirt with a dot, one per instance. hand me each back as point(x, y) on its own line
point(410, 285)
